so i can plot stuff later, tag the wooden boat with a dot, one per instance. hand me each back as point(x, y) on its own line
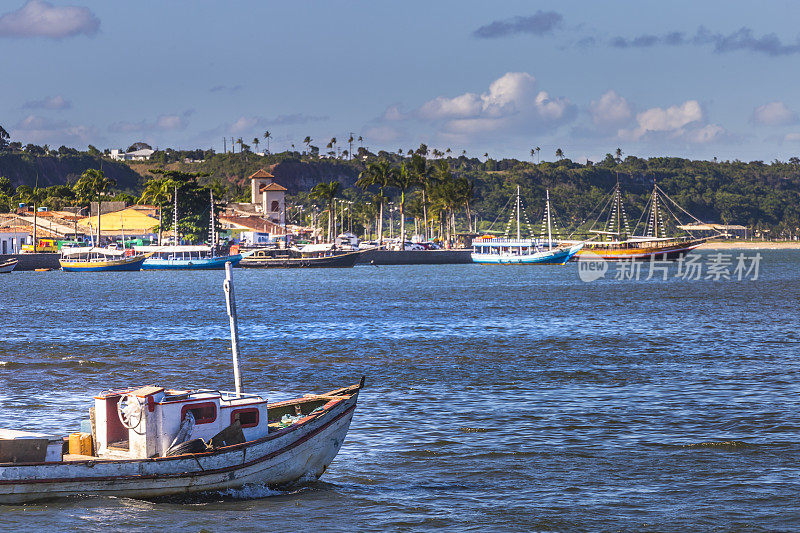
point(283, 258)
point(618, 243)
point(91, 259)
point(185, 257)
point(268, 453)
point(151, 442)
point(498, 250)
point(7, 265)
point(188, 257)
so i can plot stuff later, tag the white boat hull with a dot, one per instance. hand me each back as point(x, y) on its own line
point(301, 451)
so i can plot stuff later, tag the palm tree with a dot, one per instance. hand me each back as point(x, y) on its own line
point(559, 154)
point(377, 174)
point(403, 179)
point(159, 190)
point(268, 136)
point(92, 184)
point(533, 153)
point(618, 154)
point(486, 155)
point(537, 154)
point(240, 142)
point(350, 142)
point(361, 141)
point(255, 142)
point(327, 193)
point(307, 142)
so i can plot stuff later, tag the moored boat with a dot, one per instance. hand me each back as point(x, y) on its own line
point(93, 259)
point(504, 250)
point(294, 258)
point(8, 265)
point(185, 257)
point(616, 242)
point(150, 442)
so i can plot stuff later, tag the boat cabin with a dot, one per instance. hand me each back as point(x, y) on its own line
point(146, 422)
point(502, 246)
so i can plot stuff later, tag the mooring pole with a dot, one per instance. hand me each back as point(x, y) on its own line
point(230, 299)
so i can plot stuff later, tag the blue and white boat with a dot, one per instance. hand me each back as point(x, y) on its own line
point(505, 250)
point(185, 257)
point(188, 257)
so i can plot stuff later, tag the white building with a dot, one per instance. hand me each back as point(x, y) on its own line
point(268, 196)
point(139, 155)
point(11, 241)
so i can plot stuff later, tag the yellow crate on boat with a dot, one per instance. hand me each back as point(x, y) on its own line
point(80, 444)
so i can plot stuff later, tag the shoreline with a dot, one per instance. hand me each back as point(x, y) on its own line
point(750, 245)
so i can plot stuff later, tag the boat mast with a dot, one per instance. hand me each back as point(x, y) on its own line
point(175, 215)
point(212, 233)
point(549, 232)
point(518, 233)
point(230, 300)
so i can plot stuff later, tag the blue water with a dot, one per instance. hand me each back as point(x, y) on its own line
point(499, 397)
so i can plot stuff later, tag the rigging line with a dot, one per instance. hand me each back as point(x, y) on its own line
point(677, 219)
point(678, 206)
point(499, 215)
point(645, 210)
point(592, 212)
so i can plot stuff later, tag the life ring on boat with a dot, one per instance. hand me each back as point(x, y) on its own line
point(130, 410)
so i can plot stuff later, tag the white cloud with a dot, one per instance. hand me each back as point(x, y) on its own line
point(512, 102)
point(465, 105)
point(162, 123)
point(611, 110)
point(774, 114)
point(670, 120)
point(792, 137)
point(40, 130)
point(706, 134)
point(393, 113)
point(53, 102)
point(38, 18)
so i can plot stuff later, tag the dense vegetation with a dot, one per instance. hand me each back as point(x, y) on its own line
point(762, 196)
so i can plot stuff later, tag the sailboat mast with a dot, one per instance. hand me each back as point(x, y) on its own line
point(518, 232)
point(175, 215)
point(212, 232)
point(549, 231)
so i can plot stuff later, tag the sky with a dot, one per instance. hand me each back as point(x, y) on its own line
point(680, 78)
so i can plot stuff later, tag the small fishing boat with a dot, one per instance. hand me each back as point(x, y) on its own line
point(93, 259)
point(150, 442)
point(504, 250)
point(7, 265)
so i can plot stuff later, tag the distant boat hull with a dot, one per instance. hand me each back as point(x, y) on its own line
point(559, 256)
point(638, 251)
point(346, 260)
point(125, 264)
point(7, 266)
point(210, 263)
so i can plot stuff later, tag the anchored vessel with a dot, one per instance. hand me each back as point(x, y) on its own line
point(188, 257)
point(7, 266)
point(618, 243)
point(149, 442)
point(490, 249)
point(93, 259)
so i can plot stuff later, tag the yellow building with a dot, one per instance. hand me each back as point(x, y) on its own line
point(130, 221)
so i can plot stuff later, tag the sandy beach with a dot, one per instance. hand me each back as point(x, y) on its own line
point(751, 245)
